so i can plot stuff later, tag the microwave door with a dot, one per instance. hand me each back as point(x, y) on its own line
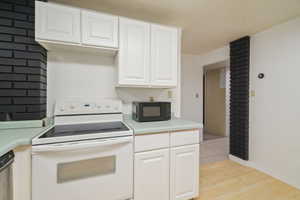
point(151, 111)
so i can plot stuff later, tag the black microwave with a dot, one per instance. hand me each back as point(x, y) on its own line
point(151, 111)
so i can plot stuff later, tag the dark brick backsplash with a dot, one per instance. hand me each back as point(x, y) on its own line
point(36, 63)
point(37, 93)
point(29, 100)
point(5, 68)
point(29, 55)
point(12, 15)
point(12, 61)
point(22, 24)
point(14, 46)
point(13, 108)
point(6, 53)
point(23, 67)
point(5, 84)
point(6, 6)
point(35, 108)
point(6, 22)
point(12, 77)
point(6, 38)
point(28, 115)
point(25, 40)
point(29, 85)
point(10, 30)
point(5, 101)
point(29, 70)
point(12, 92)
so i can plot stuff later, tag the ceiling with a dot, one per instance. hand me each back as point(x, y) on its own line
point(206, 24)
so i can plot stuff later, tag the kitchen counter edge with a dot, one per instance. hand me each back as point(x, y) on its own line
point(13, 138)
point(175, 124)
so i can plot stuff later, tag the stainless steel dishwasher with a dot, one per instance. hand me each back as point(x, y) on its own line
point(6, 183)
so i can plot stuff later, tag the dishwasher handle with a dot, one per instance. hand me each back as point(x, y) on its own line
point(6, 160)
point(73, 146)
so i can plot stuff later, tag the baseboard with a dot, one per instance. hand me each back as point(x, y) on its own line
point(266, 171)
point(240, 161)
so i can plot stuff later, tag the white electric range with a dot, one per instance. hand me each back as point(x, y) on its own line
point(86, 155)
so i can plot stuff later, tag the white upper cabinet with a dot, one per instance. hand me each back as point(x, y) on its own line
point(134, 52)
point(164, 55)
point(148, 54)
point(56, 22)
point(184, 173)
point(99, 29)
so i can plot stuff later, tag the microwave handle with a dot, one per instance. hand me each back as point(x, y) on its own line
point(72, 146)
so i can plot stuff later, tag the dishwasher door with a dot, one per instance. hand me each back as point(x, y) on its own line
point(6, 183)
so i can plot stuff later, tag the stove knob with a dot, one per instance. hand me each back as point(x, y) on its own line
point(116, 108)
point(72, 107)
point(107, 106)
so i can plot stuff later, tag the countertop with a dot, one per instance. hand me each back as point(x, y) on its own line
point(174, 124)
point(12, 138)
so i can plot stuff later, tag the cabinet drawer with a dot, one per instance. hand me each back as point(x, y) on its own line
point(185, 137)
point(152, 141)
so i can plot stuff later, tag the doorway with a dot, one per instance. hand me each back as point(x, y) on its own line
point(215, 112)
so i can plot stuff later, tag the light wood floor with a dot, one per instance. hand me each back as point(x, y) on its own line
point(228, 180)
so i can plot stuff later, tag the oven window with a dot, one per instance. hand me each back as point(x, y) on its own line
point(85, 168)
point(151, 111)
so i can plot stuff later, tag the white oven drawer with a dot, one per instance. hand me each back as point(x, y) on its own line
point(151, 142)
point(186, 137)
point(96, 169)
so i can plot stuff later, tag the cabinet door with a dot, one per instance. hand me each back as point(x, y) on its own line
point(184, 176)
point(134, 52)
point(151, 175)
point(164, 55)
point(99, 29)
point(56, 22)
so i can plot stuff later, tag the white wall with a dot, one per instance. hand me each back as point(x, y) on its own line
point(191, 84)
point(88, 77)
point(274, 145)
point(192, 81)
point(275, 110)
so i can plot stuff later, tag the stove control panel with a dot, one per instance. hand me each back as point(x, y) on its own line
point(107, 106)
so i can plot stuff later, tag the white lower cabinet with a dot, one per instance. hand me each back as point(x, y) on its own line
point(184, 172)
point(151, 177)
point(22, 173)
point(167, 165)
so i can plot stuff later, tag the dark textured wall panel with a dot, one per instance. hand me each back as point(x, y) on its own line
point(23, 63)
point(239, 97)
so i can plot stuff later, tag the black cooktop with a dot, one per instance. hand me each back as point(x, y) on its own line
point(82, 129)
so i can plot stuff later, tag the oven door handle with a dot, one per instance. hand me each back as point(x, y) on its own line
point(73, 146)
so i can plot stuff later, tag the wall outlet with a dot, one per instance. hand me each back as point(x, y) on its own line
point(170, 94)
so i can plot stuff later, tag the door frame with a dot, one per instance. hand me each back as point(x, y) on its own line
point(220, 64)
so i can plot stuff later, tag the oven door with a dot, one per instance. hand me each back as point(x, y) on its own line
point(83, 170)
